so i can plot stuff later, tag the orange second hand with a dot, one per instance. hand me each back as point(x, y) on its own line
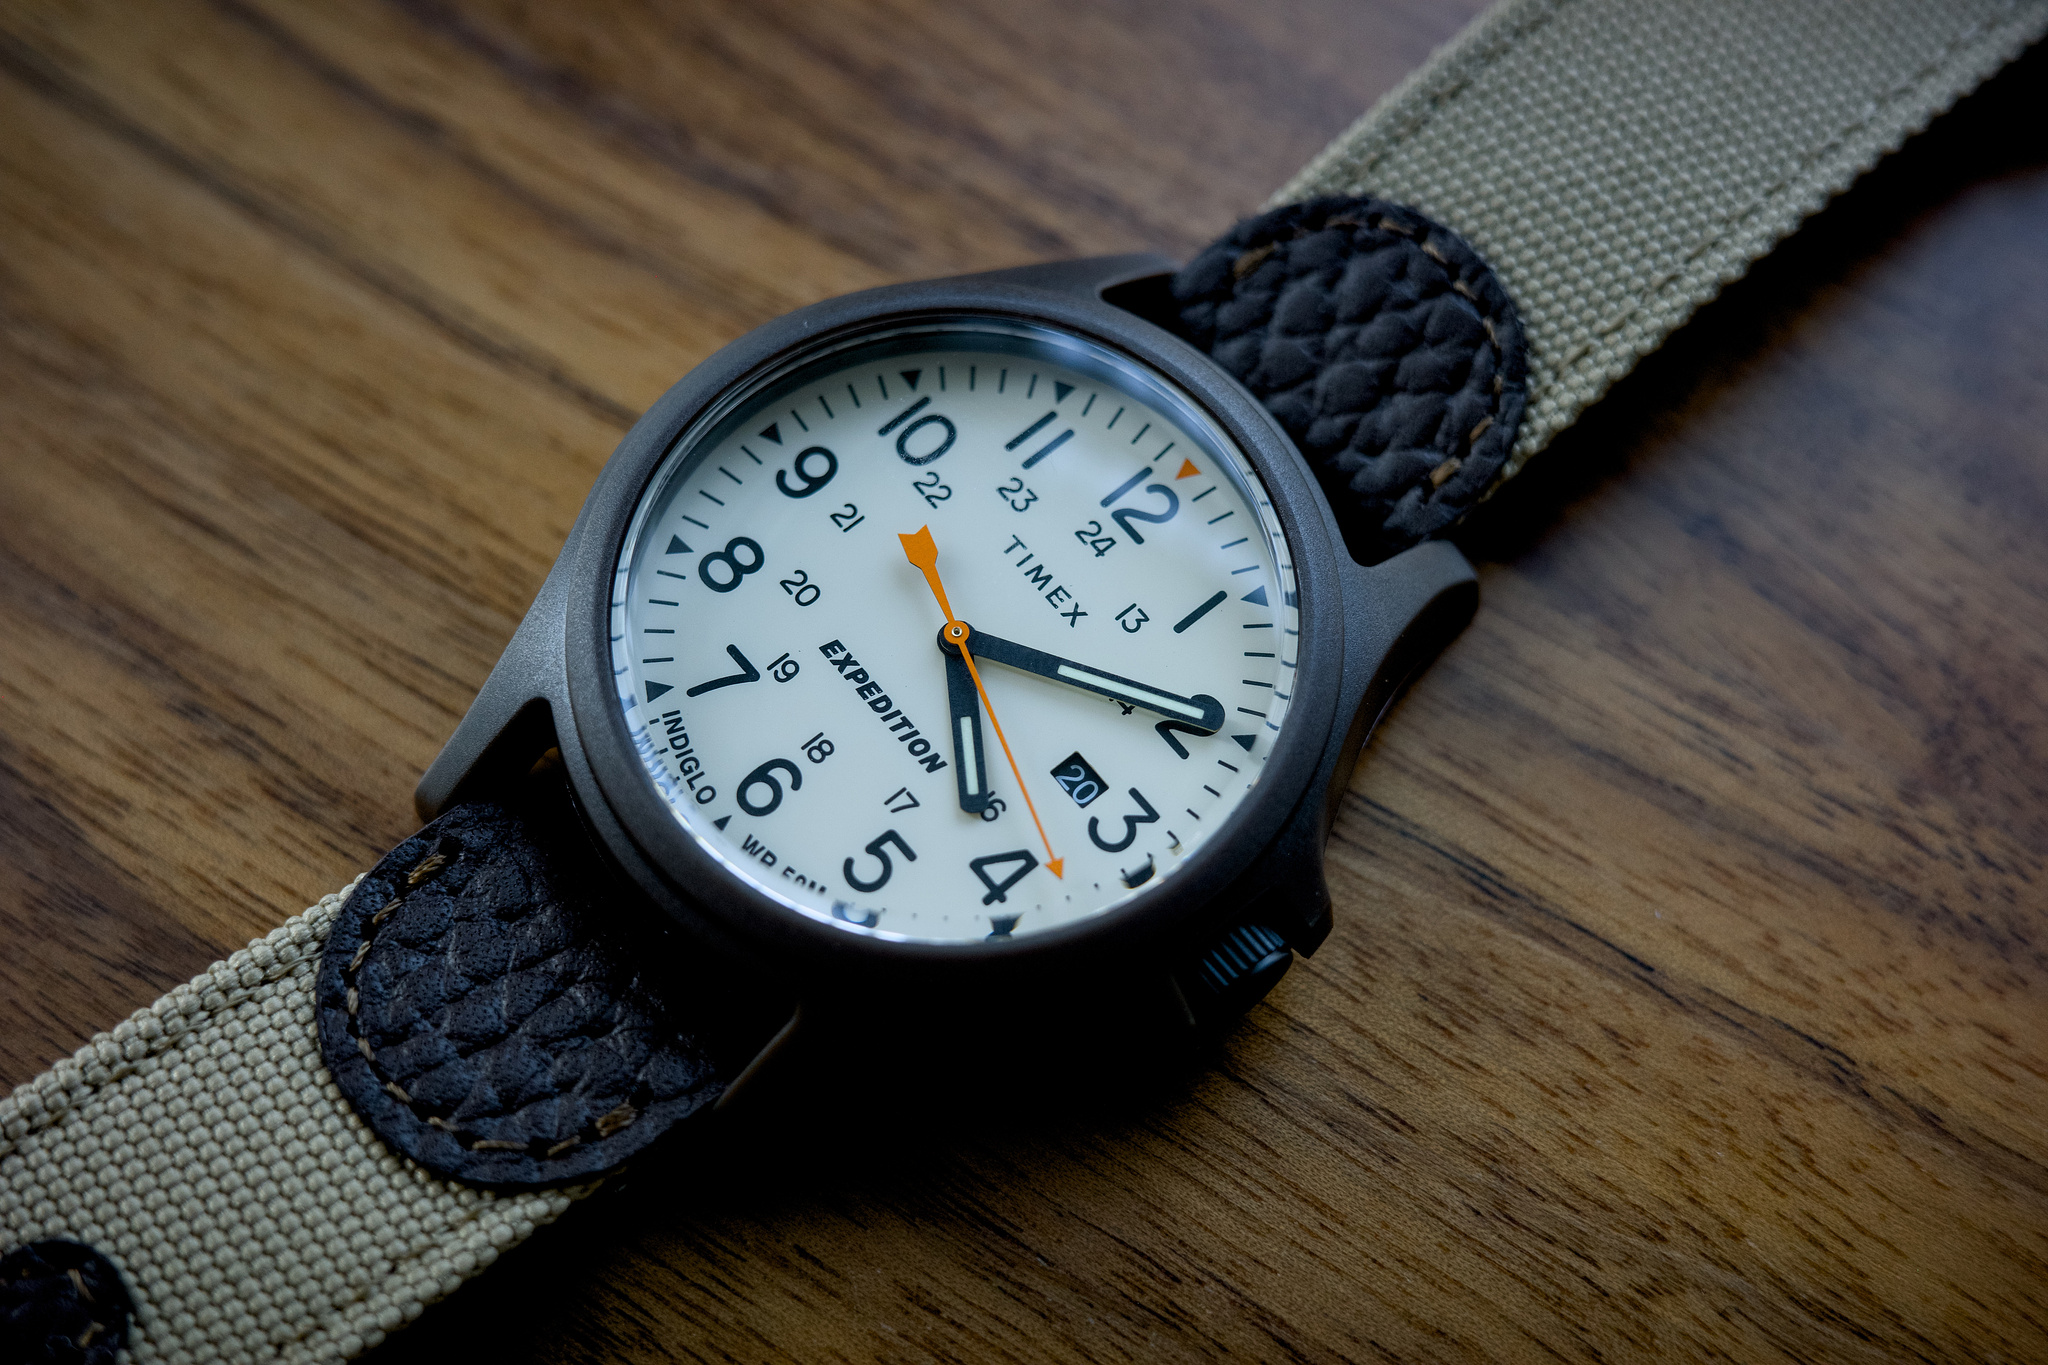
point(1052, 864)
point(923, 555)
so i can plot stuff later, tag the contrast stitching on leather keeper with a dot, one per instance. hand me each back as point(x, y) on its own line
point(1383, 344)
point(501, 1009)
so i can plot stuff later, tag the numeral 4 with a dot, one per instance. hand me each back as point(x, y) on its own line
point(999, 890)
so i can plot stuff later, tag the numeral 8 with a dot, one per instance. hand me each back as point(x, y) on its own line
point(728, 557)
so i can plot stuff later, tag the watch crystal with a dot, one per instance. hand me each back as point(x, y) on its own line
point(1128, 603)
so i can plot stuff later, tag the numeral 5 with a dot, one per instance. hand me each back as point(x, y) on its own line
point(878, 849)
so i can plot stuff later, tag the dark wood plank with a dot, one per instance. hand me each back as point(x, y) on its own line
point(1687, 995)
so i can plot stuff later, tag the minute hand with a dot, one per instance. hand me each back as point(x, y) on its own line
point(1204, 713)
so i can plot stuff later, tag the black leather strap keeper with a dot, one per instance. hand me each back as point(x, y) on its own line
point(1384, 345)
point(500, 1007)
point(61, 1302)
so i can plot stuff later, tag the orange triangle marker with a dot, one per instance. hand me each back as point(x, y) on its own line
point(1187, 469)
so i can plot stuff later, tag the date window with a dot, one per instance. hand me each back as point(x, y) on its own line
point(1078, 779)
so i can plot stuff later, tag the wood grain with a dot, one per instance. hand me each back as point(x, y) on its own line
point(1689, 995)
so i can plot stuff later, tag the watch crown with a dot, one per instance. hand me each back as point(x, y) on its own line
point(1238, 971)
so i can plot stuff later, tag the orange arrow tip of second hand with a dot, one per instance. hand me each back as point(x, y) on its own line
point(918, 547)
point(1056, 866)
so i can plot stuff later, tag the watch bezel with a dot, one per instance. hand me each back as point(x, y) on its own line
point(661, 854)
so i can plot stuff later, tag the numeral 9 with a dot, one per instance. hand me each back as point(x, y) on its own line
point(811, 482)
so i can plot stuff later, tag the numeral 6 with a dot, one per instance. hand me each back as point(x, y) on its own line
point(764, 776)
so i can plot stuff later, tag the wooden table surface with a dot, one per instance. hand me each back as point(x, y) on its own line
point(1689, 992)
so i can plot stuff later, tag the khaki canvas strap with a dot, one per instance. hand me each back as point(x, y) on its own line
point(1618, 161)
point(202, 1148)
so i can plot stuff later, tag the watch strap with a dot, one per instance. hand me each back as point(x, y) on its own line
point(1614, 163)
point(203, 1149)
point(258, 1151)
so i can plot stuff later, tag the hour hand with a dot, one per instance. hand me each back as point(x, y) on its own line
point(1199, 712)
point(968, 764)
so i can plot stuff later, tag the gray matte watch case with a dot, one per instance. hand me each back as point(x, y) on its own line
point(1364, 633)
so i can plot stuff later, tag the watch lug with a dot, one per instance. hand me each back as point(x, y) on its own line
point(513, 719)
point(1398, 616)
point(1094, 277)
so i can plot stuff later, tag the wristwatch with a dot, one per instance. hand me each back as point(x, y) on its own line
point(979, 650)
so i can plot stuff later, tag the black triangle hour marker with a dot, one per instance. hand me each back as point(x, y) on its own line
point(655, 689)
point(721, 821)
point(773, 432)
point(910, 378)
point(1002, 925)
point(1060, 391)
point(676, 546)
point(1245, 740)
point(1257, 596)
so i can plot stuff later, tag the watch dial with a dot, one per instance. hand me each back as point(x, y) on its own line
point(1128, 607)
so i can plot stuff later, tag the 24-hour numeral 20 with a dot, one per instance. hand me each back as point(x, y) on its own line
point(801, 588)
